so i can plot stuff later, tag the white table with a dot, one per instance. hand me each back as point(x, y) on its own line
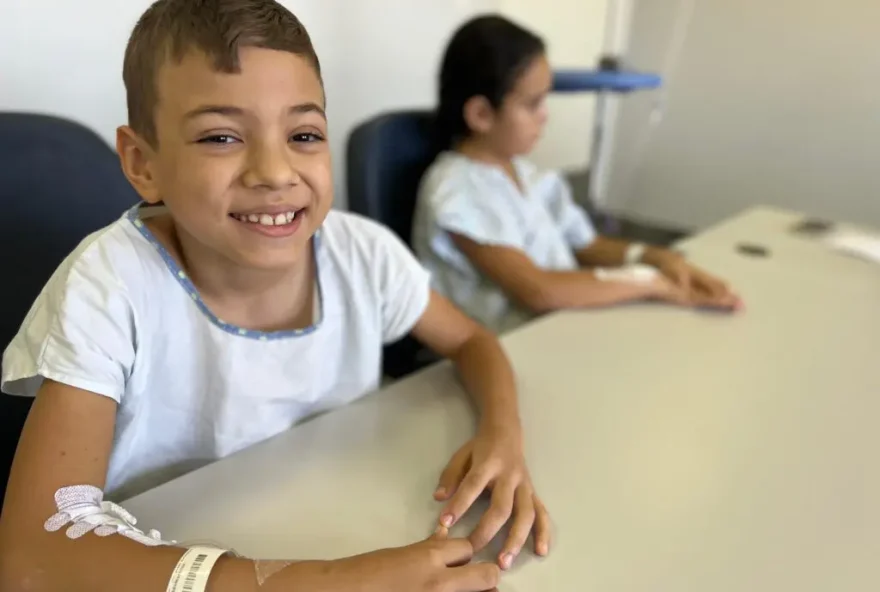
point(677, 451)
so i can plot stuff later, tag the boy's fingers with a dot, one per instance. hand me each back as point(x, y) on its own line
point(541, 529)
point(455, 551)
point(470, 489)
point(475, 577)
point(523, 521)
point(496, 516)
point(452, 475)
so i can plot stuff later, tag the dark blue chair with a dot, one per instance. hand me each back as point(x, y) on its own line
point(387, 157)
point(58, 182)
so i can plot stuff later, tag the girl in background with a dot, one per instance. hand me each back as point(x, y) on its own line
point(503, 240)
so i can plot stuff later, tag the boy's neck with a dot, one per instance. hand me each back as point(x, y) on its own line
point(266, 300)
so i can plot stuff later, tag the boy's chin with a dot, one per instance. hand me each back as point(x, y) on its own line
point(276, 259)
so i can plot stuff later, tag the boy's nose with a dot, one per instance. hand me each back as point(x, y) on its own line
point(271, 167)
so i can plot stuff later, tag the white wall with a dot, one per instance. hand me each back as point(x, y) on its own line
point(377, 55)
point(771, 101)
point(49, 65)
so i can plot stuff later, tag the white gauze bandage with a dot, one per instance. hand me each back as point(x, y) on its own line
point(633, 274)
point(84, 508)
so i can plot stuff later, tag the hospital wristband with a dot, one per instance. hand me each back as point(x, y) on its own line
point(634, 253)
point(194, 568)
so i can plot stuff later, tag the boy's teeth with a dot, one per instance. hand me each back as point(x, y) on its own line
point(267, 219)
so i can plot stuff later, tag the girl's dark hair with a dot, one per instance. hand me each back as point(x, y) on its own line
point(485, 57)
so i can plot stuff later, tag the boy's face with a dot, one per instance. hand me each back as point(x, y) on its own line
point(518, 124)
point(242, 160)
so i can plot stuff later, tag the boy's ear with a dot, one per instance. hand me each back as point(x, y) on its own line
point(136, 156)
point(479, 115)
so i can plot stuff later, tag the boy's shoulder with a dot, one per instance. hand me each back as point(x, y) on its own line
point(343, 222)
point(349, 232)
point(106, 254)
point(364, 254)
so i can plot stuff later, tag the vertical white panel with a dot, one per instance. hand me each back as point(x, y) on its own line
point(768, 102)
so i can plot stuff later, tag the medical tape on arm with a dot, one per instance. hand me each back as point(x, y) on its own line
point(83, 508)
point(265, 569)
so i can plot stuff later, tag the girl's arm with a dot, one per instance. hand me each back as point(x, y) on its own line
point(542, 291)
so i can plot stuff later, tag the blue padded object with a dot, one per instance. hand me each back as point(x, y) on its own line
point(603, 80)
point(58, 183)
point(387, 157)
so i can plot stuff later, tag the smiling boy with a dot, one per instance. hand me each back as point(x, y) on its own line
point(229, 305)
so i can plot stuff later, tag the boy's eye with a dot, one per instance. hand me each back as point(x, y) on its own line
point(219, 139)
point(307, 137)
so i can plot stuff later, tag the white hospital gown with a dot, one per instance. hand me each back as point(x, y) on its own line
point(481, 202)
point(119, 318)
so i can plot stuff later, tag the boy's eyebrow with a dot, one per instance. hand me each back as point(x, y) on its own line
point(231, 111)
point(215, 110)
point(309, 108)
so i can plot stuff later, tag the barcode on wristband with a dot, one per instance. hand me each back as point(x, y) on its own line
point(194, 568)
point(189, 583)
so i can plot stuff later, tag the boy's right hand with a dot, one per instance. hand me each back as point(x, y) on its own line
point(438, 564)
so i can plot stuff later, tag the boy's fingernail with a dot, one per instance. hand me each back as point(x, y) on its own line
point(507, 560)
point(440, 491)
point(542, 549)
point(446, 520)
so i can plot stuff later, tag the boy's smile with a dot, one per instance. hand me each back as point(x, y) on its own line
point(278, 221)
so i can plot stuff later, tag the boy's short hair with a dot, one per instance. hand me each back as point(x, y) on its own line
point(219, 28)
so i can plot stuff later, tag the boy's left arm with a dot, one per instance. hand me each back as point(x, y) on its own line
point(493, 460)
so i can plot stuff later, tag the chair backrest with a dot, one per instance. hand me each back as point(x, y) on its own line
point(387, 156)
point(58, 182)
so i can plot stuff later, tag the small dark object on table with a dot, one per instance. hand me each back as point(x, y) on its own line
point(753, 250)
